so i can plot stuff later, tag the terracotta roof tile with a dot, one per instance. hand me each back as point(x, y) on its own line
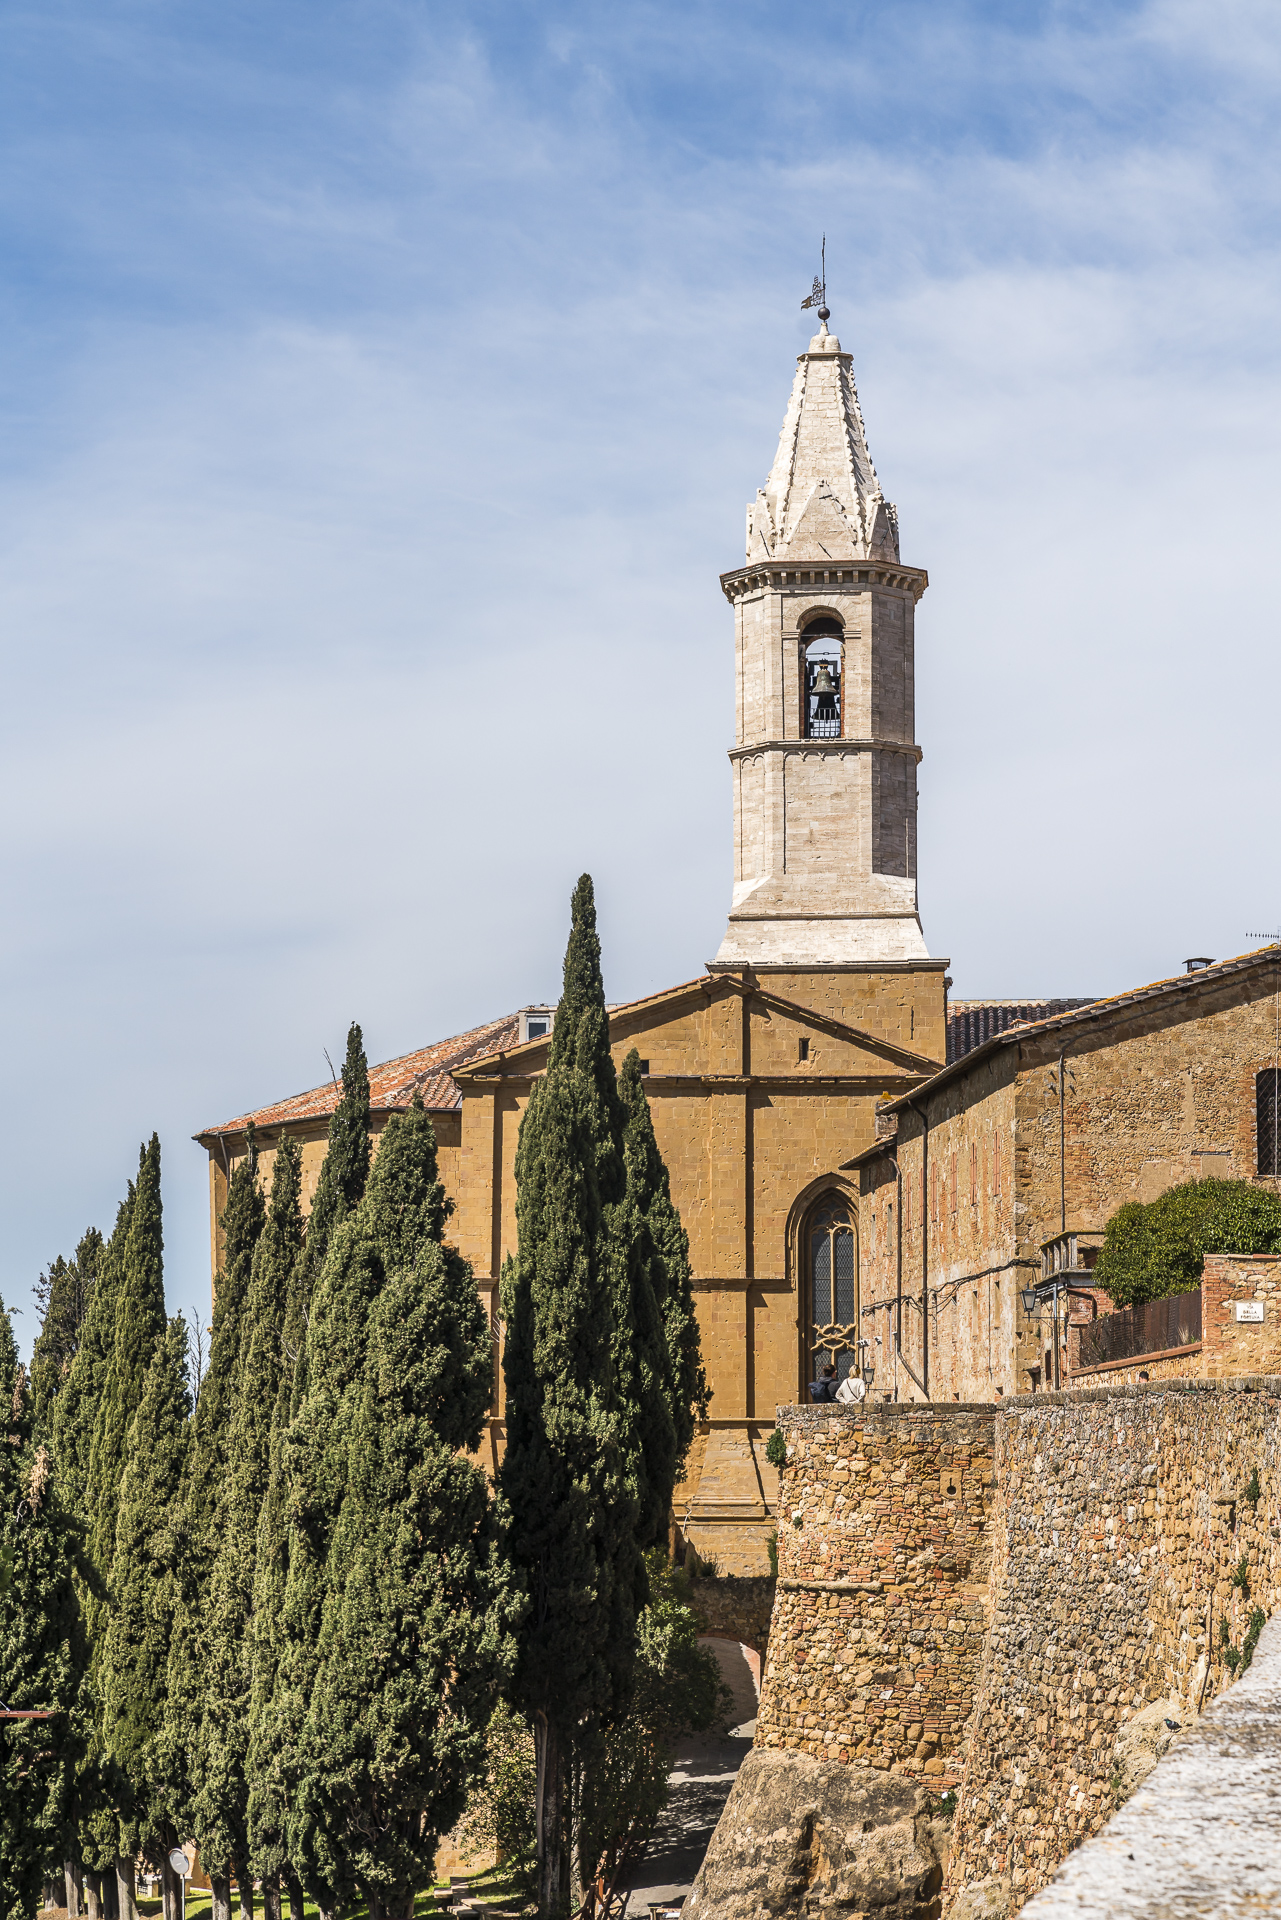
point(393, 1084)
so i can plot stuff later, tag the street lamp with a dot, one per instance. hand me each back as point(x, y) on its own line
point(182, 1867)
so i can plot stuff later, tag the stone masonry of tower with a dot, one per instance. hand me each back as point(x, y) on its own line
point(824, 803)
point(763, 1072)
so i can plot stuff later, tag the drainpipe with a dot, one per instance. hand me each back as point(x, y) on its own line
point(891, 1153)
point(1058, 1366)
point(925, 1248)
point(1062, 1145)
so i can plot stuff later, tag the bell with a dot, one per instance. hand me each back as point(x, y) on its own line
point(823, 681)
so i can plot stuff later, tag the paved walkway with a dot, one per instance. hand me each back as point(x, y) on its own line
point(703, 1771)
point(1202, 1836)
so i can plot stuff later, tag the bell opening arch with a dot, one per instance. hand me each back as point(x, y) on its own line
point(822, 675)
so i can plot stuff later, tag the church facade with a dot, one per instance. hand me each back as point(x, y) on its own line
point(786, 1077)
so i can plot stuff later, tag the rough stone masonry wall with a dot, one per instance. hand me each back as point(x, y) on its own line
point(881, 1608)
point(1122, 1517)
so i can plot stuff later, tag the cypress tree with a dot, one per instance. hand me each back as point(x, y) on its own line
point(76, 1406)
point(134, 1662)
point(242, 1225)
point(65, 1294)
point(662, 1246)
point(220, 1809)
point(326, 1386)
point(568, 1474)
point(139, 1324)
point(413, 1634)
point(268, 1802)
point(347, 1155)
point(42, 1648)
point(75, 1413)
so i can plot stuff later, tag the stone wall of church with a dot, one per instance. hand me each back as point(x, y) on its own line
point(963, 1220)
point(1162, 1095)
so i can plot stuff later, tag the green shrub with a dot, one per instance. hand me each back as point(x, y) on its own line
point(1241, 1576)
point(776, 1449)
point(1151, 1251)
point(500, 1807)
point(1253, 1491)
point(771, 1548)
point(1258, 1620)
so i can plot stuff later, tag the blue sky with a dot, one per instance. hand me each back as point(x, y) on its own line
point(381, 388)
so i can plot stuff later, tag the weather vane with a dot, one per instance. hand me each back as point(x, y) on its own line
point(817, 296)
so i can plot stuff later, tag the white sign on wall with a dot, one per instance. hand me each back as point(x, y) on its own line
point(1251, 1310)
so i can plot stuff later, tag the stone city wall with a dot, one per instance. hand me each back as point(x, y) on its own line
point(987, 1596)
point(880, 1614)
point(1124, 1515)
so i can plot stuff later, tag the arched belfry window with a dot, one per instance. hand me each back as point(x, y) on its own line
point(832, 1266)
point(821, 668)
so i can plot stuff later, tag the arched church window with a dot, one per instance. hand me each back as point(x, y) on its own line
point(833, 1289)
point(821, 657)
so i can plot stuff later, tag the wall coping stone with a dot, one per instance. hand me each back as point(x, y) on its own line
point(1203, 1833)
point(862, 1414)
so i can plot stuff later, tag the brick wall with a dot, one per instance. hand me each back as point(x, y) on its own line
point(1230, 1346)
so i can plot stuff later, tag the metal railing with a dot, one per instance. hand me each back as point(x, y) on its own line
point(1136, 1331)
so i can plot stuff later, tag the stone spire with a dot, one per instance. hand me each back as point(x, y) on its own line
point(825, 754)
point(822, 499)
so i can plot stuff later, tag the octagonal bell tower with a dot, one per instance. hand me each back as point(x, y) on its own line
point(824, 757)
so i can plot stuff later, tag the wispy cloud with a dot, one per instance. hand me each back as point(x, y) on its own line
point(381, 390)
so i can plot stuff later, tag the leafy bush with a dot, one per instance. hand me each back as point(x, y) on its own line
point(776, 1449)
point(500, 1807)
point(1158, 1249)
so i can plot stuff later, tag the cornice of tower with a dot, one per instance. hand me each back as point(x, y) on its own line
point(775, 577)
point(908, 748)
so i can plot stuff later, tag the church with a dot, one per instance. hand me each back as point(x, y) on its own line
point(869, 1176)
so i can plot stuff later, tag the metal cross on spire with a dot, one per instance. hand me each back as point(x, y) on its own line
point(817, 296)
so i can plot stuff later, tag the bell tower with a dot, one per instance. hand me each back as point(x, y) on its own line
point(824, 758)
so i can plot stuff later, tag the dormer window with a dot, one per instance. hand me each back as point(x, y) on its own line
point(536, 1023)
point(821, 667)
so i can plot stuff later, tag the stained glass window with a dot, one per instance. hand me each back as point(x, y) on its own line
point(833, 1272)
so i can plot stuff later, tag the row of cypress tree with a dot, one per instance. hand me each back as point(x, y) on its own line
point(299, 1601)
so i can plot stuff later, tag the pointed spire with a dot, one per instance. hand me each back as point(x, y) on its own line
point(822, 499)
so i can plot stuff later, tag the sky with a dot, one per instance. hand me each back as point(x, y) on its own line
point(381, 387)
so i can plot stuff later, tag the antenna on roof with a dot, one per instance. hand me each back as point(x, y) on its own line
point(817, 296)
point(1272, 938)
point(329, 1063)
